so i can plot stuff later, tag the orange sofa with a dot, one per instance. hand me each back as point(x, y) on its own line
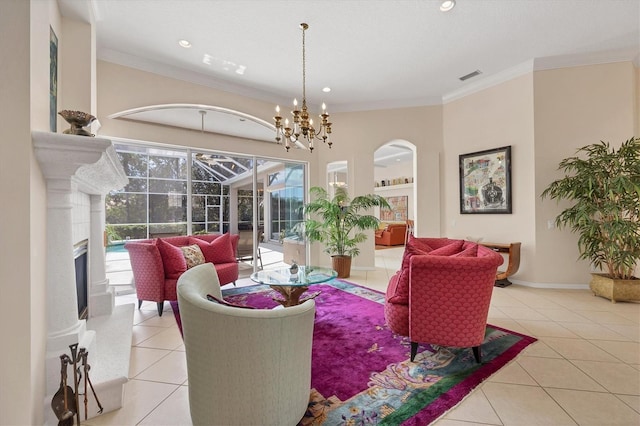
point(391, 235)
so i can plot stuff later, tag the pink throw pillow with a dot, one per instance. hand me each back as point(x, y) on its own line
point(172, 259)
point(217, 251)
point(401, 291)
point(450, 249)
point(470, 251)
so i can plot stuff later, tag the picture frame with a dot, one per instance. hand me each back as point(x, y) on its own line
point(485, 181)
point(398, 211)
point(53, 80)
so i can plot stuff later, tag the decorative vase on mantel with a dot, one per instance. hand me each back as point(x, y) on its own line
point(77, 120)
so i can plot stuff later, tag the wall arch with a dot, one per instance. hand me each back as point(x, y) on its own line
point(399, 149)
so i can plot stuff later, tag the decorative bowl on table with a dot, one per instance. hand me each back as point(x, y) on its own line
point(77, 120)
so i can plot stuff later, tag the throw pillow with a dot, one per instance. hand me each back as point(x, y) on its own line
point(450, 249)
point(217, 251)
point(470, 251)
point(172, 259)
point(212, 298)
point(401, 293)
point(192, 255)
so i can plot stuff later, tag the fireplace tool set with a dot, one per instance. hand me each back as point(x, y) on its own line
point(65, 401)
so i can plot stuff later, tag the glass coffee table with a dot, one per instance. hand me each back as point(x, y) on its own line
point(292, 286)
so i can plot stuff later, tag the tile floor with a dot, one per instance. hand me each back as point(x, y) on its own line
point(585, 368)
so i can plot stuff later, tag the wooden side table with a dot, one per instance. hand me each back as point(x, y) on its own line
point(513, 251)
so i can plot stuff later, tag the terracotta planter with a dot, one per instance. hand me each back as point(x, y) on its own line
point(342, 265)
point(615, 290)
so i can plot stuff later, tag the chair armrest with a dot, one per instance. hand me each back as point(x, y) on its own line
point(148, 270)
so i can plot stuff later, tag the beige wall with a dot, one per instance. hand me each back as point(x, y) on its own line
point(498, 116)
point(24, 104)
point(356, 135)
point(574, 107)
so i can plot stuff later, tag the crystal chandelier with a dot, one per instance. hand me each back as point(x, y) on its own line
point(302, 124)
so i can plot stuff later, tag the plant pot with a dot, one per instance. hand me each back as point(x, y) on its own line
point(613, 289)
point(342, 265)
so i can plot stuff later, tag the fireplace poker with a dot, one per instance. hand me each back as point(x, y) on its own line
point(87, 367)
point(83, 356)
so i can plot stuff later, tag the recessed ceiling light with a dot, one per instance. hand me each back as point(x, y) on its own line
point(447, 5)
point(326, 89)
point(184, 43)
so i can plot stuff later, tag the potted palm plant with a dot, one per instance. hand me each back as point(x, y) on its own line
point(603, 183)
point(338, 223)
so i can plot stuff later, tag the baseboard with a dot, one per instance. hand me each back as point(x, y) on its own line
point(553, 286)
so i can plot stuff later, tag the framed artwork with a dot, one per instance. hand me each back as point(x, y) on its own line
point(399, 209)
point(53, 80)
point(485, 181)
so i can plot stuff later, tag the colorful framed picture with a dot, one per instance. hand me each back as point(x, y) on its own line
point(485, 181)
point(399, 209)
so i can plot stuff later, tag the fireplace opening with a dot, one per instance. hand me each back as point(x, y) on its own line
point(80, 256)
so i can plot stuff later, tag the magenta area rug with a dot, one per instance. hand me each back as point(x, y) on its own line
point(361, 373)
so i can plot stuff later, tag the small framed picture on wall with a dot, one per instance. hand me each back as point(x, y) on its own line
point(485, 181)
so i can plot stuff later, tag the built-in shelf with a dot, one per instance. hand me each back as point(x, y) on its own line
point(393, 187)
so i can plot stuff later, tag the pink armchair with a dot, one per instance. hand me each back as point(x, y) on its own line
point(441, 294)
point(153, 280)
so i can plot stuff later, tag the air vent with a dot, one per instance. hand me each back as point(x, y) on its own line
point(471, 74)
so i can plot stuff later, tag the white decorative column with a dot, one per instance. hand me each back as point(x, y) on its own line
point(101, 300)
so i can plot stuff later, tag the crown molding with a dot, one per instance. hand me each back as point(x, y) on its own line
point(592, 58)
point(489, 81)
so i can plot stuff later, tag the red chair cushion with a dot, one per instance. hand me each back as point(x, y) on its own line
point(217, 251)
point(172, 259)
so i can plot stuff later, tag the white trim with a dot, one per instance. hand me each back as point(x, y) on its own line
point(595, 58)
point(489, 81)
point(554, 286)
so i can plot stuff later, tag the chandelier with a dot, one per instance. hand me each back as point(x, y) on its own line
point(302, 126)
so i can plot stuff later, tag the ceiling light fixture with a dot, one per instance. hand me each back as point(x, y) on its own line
point(302, 124)
point(447, 5)
point(184, 43)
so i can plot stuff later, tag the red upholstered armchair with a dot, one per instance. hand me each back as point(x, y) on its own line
point(442, 292)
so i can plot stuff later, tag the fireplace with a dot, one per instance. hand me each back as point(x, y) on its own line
point(80, 257)
point(79, 170)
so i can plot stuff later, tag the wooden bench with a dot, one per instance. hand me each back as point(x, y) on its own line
point(513, 251)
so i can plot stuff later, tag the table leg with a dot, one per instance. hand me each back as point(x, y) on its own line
point(292, 295)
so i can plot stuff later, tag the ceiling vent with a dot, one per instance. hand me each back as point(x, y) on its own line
point(471, 74)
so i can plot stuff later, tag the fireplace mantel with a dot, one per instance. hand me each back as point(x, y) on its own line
point(91, 163)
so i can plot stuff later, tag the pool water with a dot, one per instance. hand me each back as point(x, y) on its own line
point(116, 248)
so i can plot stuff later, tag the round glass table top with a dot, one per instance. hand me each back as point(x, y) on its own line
point(306, 276)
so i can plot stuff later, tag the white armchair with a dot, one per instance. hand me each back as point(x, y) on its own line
point(245, 366)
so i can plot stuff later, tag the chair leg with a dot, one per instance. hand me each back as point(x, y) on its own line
point(139, 303)
point(414, 350)
point(160, 308)
point(477, 353)
point(260, 258)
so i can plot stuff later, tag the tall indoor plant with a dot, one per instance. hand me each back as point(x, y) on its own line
point(603, 183)
point(338, 223)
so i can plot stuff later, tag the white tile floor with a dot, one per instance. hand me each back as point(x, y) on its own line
point(585, 368)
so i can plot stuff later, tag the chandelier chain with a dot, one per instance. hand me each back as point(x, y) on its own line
point(304, 66)
point(302, 128)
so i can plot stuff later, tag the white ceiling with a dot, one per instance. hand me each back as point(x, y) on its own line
point(373, 54)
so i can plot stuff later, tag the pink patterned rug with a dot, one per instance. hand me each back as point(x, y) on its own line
point(361, 373)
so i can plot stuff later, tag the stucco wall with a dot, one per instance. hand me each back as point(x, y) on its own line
point(498, 116)
point(574, 107)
